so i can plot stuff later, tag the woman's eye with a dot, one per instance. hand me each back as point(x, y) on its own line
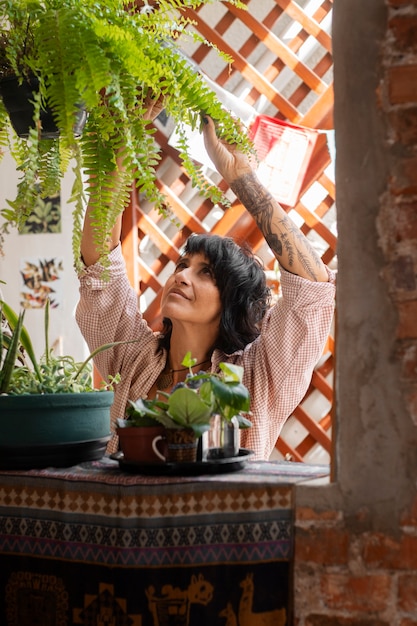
point(208, 271)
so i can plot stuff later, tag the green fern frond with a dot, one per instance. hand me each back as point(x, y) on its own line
point(193, 4)
point(60, 35)
point(107, 199)
point(195, 173)
point(49, 171)
point(4, 129)
point(27, 190)
point(78, 199)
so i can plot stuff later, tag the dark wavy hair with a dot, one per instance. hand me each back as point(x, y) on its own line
point(244, 294)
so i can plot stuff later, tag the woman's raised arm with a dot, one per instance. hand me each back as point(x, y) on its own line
point(289, 245)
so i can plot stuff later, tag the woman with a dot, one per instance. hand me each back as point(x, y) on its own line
point(215, 305)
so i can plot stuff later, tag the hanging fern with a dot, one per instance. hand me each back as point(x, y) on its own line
point(104, 56)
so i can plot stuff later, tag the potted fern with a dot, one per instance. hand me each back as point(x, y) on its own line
point(99, 60)
point(51, 414)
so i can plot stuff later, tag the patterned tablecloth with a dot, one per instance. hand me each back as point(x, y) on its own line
point(93, 545)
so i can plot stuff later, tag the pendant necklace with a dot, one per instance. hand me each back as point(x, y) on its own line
point(166, 379)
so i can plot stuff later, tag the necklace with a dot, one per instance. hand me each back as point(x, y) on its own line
point(165, 379)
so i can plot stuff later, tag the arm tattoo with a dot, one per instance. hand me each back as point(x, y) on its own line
point(260, 204)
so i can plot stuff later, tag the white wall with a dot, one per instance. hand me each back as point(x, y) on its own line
point(63, 328)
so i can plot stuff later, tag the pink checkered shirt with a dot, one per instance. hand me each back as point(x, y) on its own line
point(278, 365)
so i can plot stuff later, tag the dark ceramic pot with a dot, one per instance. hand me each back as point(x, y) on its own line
point(53, 429)
point(17, 101)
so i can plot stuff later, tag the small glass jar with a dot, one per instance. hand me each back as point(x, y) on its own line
point(222, 440)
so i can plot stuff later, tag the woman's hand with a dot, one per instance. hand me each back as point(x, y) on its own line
point(153, 106)
point(228, 160)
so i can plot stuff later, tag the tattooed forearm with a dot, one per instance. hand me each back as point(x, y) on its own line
point(260, 205)
point(252, 194)
point(286, 241)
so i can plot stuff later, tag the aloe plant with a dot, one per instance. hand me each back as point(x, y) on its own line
point(22, 373)
point(106, 56)
point(9, 347)
point(191, 404)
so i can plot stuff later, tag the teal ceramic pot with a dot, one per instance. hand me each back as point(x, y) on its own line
point(53, 429)
point(54, 418)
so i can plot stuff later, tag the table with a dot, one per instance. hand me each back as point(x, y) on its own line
point(93, 545)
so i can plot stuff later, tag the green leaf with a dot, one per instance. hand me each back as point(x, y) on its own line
point(10, 359)
point(145, 408)
point(102, 348)
point(188, 361)
point(243, 421)
point(12, 319)
point(232, 372)
point(187, 409)
point(230, 398)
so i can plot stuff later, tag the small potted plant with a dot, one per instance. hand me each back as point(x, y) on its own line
point(188, 411)
point(50, 412)
point(97, 63)
point(141, 438)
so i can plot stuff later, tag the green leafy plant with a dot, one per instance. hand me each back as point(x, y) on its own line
point(191, 404)
point(108, 57)
point(22, 373)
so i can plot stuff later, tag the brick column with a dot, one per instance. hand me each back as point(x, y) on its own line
point(356, 539)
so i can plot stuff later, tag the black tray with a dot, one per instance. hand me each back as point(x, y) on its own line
point(194, 468)
point(56, 455)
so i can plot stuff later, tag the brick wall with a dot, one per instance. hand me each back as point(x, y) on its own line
point(356, 563)
point(354, 577)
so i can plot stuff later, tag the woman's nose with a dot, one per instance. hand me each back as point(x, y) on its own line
point(182, 276)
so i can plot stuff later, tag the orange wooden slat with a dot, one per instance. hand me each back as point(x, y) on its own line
point(148, 278)
point(184, 214)
point(328, 184)
point(157, 236)
point(273, 15)
point(322, 385)
point(324, 206)
point(286, 450)
point(153, 313)
point(314, 222)
point(328, 256)
point(320, 159)
point(282, 51)
point(329, 347)
point(247, 70)
point(231, 217)
point(314, 428)
point(308, 443)
point(310, 25)
point(318, 115)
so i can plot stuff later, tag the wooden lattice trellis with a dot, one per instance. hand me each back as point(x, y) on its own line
point(282, 68)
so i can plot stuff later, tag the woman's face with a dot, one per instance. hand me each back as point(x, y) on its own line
point(190, 294)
